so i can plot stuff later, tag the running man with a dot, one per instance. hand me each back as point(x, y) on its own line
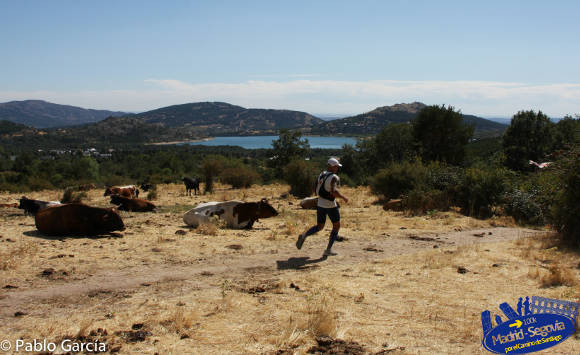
point(327, 191)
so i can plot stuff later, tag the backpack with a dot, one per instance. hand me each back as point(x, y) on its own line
point(322, 191)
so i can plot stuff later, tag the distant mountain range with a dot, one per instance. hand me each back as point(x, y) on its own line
point(196, 120)
point(42, 114)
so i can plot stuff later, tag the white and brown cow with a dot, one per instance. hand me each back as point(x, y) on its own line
point(237, 214)
point(129, 191)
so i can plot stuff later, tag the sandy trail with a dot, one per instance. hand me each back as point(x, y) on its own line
point(204, 272)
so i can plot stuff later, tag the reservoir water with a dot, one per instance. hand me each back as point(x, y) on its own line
point(259, 142)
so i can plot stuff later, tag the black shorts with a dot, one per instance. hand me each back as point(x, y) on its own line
point(332, 213)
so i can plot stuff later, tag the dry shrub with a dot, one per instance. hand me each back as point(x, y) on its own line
point(180, 321)
point(557, 276)
point(71, 196)
point(207, 229)
point(321, 317)
point(11, 259)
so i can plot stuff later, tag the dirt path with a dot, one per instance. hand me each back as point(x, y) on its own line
point(205, 272)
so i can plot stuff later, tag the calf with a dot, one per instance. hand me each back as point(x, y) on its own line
point(237, 214)
point(78, 219)
point(132, 204)
point(129, 191)
point(31, 207)
point(191, 184)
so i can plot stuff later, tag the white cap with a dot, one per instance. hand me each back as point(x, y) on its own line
point(333, 162)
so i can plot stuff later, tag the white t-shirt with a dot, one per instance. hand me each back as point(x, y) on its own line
point(322, 202)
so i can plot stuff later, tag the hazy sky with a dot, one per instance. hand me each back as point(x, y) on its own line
point(490, 58)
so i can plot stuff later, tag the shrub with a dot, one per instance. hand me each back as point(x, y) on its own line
point(480, 190)
point(418, 201)
point(152, 194)
point(300, 175)
point(523, 207)
point(398, 179)
point(240, 177)
point(566, 207)
point(71, 196)
point(211, 167)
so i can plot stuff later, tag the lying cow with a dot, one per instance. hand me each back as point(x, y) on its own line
point(129, 191)
point(78, 219)
point(31, 207)
point(132, 204)
point(191, 184)
point(237, 214)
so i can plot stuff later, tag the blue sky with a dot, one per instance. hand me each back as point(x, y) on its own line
point(490, 58)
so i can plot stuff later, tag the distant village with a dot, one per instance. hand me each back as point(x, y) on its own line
point(91, 152)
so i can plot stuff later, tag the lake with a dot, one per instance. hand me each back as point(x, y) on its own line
point(258, 142)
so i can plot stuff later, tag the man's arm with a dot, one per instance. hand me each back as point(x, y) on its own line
point(335, 192)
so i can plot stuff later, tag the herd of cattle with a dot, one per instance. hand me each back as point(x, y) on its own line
point(65, 219)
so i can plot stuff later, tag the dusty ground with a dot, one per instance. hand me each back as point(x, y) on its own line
point(400, 284)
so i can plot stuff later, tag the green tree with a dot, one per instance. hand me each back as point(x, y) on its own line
point(528, 137)
point(441, 134)
point(211, 167)
point(566, 132)
point(289, 146)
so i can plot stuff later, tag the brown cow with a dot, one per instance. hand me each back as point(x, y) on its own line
point(129, 191)
point(78, 219)
point(132, 204)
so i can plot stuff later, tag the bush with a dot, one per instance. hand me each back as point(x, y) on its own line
point(566, 207)
point(523, 207)
point(418, 201)
point(211, 167)
point(300, 175)
point(480, 190)
point(71, 196)
point(398, 179)
point(152, 194)
point(240, 177)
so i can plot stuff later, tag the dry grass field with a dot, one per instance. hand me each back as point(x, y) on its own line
point(399, 285)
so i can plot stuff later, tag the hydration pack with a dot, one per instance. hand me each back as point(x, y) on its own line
point(321, 192)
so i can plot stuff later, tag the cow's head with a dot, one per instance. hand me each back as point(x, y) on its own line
point(108, 191)
point(112, 220)
point(265, 210)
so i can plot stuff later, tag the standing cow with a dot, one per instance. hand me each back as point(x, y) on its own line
point(237, 214)
point(191, 184)
point(78, 219)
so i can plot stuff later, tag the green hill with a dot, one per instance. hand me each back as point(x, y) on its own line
point(220, 118)
point(372, 122)
point(42, 114)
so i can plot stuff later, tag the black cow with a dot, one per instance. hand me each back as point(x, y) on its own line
point(191, 184)
point(31, 207)
point(147, 186)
